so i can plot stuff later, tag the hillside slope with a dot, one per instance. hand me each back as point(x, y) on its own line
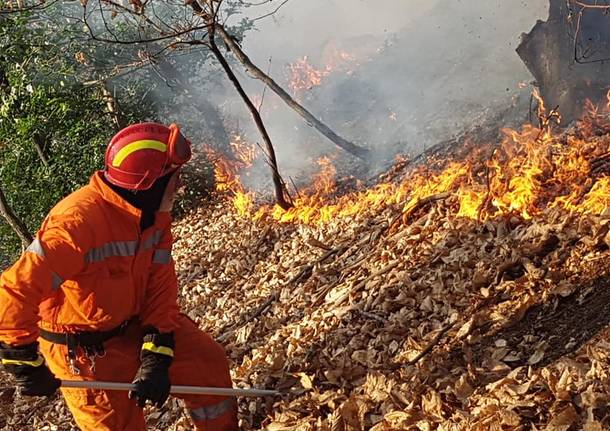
point(465, 293)
point(402, 307)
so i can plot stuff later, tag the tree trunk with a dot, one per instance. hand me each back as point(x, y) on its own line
point(569, 56)
point(113, 107)
point(4, 84)
point(18, 226)
point(40, 144)
point(277, 179)
point(357, 151)
point(5, 210)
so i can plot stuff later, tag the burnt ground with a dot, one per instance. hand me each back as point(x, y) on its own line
point(553, 329)
point(564, 325)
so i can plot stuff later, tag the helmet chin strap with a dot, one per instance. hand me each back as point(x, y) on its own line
point(148, 201)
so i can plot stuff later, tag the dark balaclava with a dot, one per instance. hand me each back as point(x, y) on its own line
point(148, 201)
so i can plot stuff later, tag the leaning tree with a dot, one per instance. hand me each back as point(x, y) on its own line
point(163, 30)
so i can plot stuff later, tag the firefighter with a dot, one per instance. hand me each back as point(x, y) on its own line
point(94, 297)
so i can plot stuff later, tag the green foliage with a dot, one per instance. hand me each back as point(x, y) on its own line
point(75, 136)
point(39, 98)
point(45, 61)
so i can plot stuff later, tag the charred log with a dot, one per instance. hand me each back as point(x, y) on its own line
point(569, 55)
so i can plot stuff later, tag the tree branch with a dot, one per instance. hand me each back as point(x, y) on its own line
point(14, 222)
point(280, 189)
point(591, 6)
point(357, 151)
point(39, 145)
point(43, 4)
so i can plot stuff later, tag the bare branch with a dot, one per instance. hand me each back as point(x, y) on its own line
point(116, 40)
point(582, 59)
point(591, 6)
point(341, 142)
point(281, 194)
point(272, 12)
point(18, 226)
point(260, 105)
point(41, 5)
point(280, 189)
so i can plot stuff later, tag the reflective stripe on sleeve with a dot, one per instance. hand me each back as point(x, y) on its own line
point(36, 248)
point(162, 257)
point(36, 363)
point(162, 350)
point(122, 248)
point(212, 412)
point(153, 240)
point(111, 249)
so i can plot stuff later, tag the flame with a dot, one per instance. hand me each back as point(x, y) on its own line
point(471, 202)
point(245, 152)
point(243, 202)
point(324, 182)
point(527, 172)
point(302, 76)
point(227, 172)
point(597, 200)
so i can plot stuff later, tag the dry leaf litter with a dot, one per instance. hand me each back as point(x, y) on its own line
point(405, 315)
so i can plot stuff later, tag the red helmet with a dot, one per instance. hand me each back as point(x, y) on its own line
point(140, 154)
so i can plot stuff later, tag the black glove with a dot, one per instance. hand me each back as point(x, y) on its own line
point(152, 380)
point(31, 373)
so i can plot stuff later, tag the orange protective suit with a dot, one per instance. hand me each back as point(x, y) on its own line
point(90, 268)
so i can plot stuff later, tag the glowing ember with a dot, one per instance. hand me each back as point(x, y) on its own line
point(530, 171)
point(304, 76)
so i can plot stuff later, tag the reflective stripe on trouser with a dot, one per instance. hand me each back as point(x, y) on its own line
point(221, 416)
point(199, 361)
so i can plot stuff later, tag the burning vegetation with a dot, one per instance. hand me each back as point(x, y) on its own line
point(303, 76)
point(464, 291)
point(526, 173)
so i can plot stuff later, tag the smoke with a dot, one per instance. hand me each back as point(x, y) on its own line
point(396, 76)
point(420, 71)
